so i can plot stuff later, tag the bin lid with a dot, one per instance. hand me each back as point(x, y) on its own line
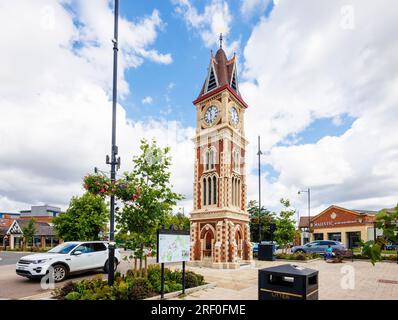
point(290, 270)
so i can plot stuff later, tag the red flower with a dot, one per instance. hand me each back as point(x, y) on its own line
point(102, 190)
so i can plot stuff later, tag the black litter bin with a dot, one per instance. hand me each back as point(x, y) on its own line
point(266, 252)
point(287, 282)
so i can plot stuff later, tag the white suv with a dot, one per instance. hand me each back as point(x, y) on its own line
point(67, 258)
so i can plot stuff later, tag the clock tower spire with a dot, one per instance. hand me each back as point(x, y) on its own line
point(220, 233)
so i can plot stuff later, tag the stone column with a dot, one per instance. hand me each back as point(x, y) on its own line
point(193, 241)
point(11, 242)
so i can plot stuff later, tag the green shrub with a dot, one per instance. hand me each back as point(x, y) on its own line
point(193, 280)
point(72, 296)
point(140, 289)
point(132, 286)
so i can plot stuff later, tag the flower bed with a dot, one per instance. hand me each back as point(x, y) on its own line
point(297, 256)
point(132, 286)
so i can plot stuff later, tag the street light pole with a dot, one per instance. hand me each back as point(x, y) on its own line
point(114, 152)
point(308, 191)
point(259, 153)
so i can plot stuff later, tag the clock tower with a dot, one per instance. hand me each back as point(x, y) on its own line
point(220, 233)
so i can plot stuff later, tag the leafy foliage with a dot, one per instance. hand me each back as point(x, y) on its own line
point(132, 286)
point(139, 220)
point(387, 221)
point(179, 220)
point(29, 230)
point(285, 225)
point(266, 218)
point(83, 220)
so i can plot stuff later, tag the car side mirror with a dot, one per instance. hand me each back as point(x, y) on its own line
point(77, 253)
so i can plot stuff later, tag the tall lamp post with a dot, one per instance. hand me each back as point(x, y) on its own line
point(113, 161)
point(259, 153)
point(308, 191)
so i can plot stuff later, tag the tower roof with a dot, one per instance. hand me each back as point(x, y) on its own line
point(222, 73)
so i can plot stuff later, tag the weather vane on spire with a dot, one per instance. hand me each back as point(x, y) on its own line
point(221, 40)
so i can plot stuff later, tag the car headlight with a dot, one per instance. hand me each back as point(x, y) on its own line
point(40, 261)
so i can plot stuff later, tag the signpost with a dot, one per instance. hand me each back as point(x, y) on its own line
point(172, 246)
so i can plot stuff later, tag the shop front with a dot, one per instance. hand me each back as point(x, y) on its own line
point(11, 235)
point(349, 227)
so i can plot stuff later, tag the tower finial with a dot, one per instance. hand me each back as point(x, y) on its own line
point(221, 40)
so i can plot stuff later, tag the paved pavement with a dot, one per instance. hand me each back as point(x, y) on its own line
point(337, 281)
point(8, 257)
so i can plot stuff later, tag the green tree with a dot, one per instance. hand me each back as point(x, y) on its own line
point(179, 220)
point(387, 221)
point(285, 225)
point(29, 231)
point(85, 218)
point(139, 220)
point(266, 218)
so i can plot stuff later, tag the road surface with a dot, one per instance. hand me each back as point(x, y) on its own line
point(13, 286)
point(8, 257)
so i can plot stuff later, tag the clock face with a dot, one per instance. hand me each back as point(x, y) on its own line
point(211, 115)
point(234, 116)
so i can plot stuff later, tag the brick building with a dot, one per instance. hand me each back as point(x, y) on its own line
point(339, 224)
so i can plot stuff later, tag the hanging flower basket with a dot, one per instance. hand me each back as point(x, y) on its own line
point(98, 185)
point(101, 185)
point(126, 191)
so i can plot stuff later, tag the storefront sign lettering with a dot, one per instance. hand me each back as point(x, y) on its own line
point(333, 223)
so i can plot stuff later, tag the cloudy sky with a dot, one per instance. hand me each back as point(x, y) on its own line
point(320, 77)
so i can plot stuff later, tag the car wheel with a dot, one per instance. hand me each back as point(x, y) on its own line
point(300, 251)
point(60, 272)
point(106, 267)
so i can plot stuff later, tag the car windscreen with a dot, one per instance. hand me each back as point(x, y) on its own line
point(63, 248)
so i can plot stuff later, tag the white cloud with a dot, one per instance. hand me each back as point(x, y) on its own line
point(215, 19)
point(301, 66)
point(55, 103)
point(249, 7)
point(147, 100)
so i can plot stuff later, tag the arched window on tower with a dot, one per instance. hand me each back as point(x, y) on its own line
point(233, 190)
point(214, 190)
point(236, 160)
point(239, 195)
point(204, 191)
point(209, 183)
point(207, 160)
point(212, 159)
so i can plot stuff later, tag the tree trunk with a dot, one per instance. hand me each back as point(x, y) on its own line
point(135, 264)
point(146, 265)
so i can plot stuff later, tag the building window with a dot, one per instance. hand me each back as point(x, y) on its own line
point(214, 190)
point(236, 194)
point(210, 159)
point(210, 190)
point(236, 161)
point(204, 191)
point(209, 179)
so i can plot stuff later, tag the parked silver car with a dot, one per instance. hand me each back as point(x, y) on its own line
point(318, 246)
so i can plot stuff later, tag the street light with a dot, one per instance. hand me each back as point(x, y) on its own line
point(308, 191)
point(113, 160)
point(259, 153)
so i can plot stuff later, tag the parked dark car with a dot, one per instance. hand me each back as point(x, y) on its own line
point(391, 246)
point(318, 247)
